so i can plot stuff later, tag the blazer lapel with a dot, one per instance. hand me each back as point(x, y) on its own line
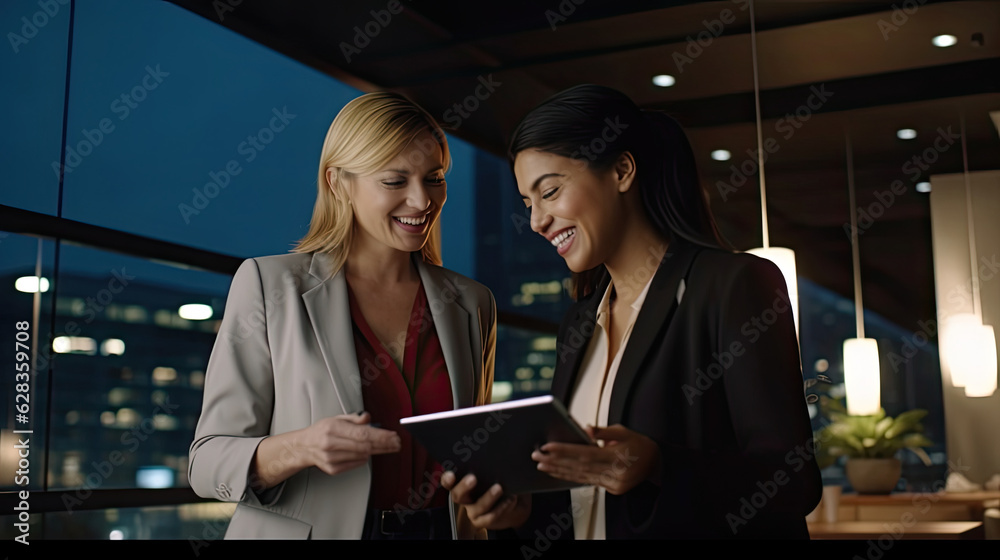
point(329, 312)
point(572, 350)
point(453, 326)
point(656, 311)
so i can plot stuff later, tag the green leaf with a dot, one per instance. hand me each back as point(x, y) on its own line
point(922, 454)
point(905, 423)
point(854, 442)
point(882, 426)
point(916, 441)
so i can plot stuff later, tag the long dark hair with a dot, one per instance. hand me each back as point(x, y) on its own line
point(595, 125)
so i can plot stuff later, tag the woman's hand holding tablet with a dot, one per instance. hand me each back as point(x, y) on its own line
point(493, 510)
point(626, 459)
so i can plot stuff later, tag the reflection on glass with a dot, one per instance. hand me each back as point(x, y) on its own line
point(129, 370)
point(199, 524)
point(25, 318)
point(522, 369)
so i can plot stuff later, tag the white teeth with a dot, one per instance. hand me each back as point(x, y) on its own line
point(563, 237)
point(412, 221)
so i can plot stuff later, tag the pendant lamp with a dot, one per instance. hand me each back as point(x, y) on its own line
point(970, 345)
point(782, 257)
point(862, 378)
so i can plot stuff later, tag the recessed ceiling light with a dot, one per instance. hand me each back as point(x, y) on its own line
point(664, 80)
point(944, 40)
point(906, 134)
point(923, 186)
point(721, 155)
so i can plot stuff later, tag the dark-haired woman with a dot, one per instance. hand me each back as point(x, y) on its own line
point(682, 353)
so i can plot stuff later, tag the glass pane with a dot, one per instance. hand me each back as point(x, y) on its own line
point(25, 328)
point(909, 368)
point(199, 523)
point(129, 369)
point(212, 141)
point(525, 364)
point(33, 66)
point(524, 271)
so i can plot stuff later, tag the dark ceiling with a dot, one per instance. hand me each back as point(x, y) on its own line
point(875, 60)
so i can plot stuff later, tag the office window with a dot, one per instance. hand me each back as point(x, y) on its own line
point(25, 323)
point(132, 340)
point(33, 66)
point(211, 141)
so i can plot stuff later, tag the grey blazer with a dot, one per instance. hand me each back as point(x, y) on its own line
point(284, 358)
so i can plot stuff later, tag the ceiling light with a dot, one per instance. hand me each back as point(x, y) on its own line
point(944, 40)
point(721, 155)
point(906, 134)
point(664, 80)
point(923, 186)
point(195, 311)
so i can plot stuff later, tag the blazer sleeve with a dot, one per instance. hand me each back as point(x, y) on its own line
point(238, 400)
point(766, 403)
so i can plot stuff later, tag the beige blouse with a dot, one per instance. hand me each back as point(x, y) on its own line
point(589, 405)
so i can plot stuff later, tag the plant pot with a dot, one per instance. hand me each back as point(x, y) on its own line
point(873, 476)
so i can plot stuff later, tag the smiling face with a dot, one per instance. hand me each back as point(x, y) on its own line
point(580, 211)
point(398, 205)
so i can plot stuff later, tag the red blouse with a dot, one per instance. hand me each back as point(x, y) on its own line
point(409, 479)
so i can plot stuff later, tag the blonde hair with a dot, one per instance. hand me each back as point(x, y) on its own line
point(368, 133)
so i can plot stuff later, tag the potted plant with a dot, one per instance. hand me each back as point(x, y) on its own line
point(870, 444)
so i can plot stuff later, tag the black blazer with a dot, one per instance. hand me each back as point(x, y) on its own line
point(716, 382)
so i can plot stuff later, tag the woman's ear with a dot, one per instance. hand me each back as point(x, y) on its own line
point(337, 184)
point(624, 171)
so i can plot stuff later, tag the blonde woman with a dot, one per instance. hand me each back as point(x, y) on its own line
point(322, 351)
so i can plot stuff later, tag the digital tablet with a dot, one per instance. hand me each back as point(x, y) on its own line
point(495, 442)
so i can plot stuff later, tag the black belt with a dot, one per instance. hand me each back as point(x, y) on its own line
point(432, 523)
